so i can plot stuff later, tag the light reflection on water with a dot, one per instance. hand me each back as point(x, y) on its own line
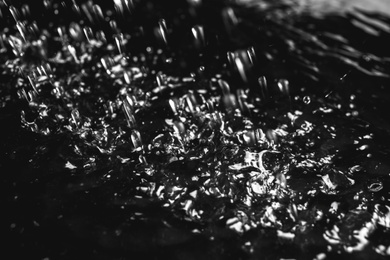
point(321, 7)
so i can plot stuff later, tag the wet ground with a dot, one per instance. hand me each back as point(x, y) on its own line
point(198, 130)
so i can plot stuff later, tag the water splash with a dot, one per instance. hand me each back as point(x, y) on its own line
point(221, 142)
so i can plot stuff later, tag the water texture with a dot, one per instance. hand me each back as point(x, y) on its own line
point(195, 129)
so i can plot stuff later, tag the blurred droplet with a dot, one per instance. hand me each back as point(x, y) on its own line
point(124, 7)
point(88, 33)
point(15, 13)
point(229, 19)
point(22, 30)
point(284, 87)
point(107, 63)
point(120, 43)
point(136, 140)
point(73, 53)
point(26, 10)
point(76, 118)
point(199, 36)
point(76, 31)
point(76, 8)
point(97, 11)
point(174, 106)
point(16, 45)
point(128, 106)
point(224, 87)
point(382, 215)
point(162, 32)
point(263, 87)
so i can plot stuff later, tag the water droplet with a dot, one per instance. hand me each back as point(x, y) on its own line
point(120, 43)
point(173, 103)
point(15, 13)
point(76, 118)
point(124, 7)
point(162, 31)
point(229, 19)
point(375, 186)
point(73, 53)
point(306, 100)
point(76, 31)
point(251, 55)
point(97, 11)
point(22, 30)
point(128, 108)
point(263, 90)
point(88, 33)
point(224, 87)
point(284, 87)
point(136, 140)
point(199, 36)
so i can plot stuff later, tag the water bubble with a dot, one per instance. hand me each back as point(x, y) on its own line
point(375, 186)
point(306, 100)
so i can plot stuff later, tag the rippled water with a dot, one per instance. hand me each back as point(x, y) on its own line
point(198, 130)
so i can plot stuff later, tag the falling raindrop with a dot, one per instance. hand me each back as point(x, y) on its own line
point(199, 36)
